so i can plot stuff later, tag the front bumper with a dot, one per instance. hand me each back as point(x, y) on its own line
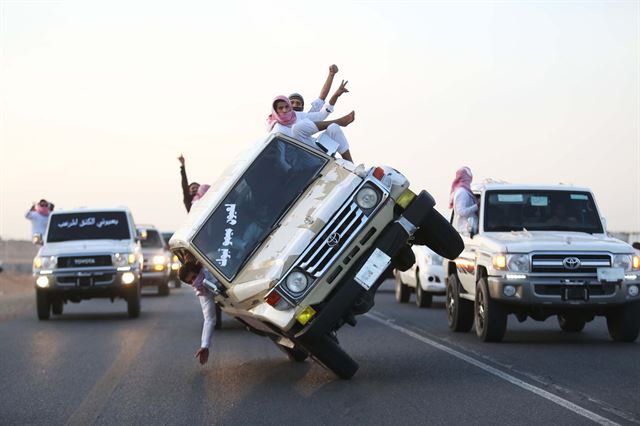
point(432, 279)
point(560, 292)
point(83, 283)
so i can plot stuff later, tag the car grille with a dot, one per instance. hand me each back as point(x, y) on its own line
point(557, 290)
point(84, 261)
point(336, 235)
point(566, 263)
point(88, 281)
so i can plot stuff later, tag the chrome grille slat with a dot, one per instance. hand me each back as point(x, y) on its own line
point(345, 233)
point(320, 243)
point(554, 262)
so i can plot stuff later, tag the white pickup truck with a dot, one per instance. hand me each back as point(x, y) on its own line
point(87, 254)
point(542, 251)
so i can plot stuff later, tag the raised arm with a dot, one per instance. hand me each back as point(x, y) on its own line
point(333, 70)
point(342, 89)
point(186, 197)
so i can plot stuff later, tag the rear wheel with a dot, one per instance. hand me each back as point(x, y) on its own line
point(163, 289)
point(403, 293)
point(423, 298)
point(57, 306)
point(490, 317)
point(43, 305)
point(459, 311)
point(624, 323)
point(326, 352)
point(133, 302)
point(571, 323)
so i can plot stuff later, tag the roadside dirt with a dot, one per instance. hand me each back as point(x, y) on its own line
point(16, 294)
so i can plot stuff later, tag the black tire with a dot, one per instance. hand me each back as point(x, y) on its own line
point(423, 298)
point(294, 354)
point(404, 259)
point(571, 323)
point(57, 306)
point(43, 305)
point(438, 234)
point(459, 310)
point(163, 289)
point(624, 323)
point(326, 352)
point(403, 292)
point(133, 302)
point(490, 316)
point(177, 283)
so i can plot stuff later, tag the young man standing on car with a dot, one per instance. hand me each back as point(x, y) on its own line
point(189, 190)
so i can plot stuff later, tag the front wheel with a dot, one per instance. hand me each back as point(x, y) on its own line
point(403, 293)
point(459, 310)
point(57, 306)
point(490, 317)
point(624, 323)
point(326, 352)
point(133, 302)
point(43, 305)
point(423, 298)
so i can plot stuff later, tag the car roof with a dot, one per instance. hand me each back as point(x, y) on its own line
point(502, 186)
point(91, 210)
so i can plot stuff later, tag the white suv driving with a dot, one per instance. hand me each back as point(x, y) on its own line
point(542, 251)
point(86, 254)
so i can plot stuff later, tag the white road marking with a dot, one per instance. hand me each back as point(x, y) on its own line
point(491, 370)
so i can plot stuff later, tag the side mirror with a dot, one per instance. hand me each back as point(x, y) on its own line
point(636, 245)
point(37, 239)
point(604, 223)
point(142, 234)
point(327, 144)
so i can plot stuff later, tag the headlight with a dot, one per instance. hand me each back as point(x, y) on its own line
point(159, 260)
point(636, 262)
point(124, 259)
point(296, 282)
point(45, 262)
point(367, 198)
point(622, 261)
point(518, 262)
point(499, 261)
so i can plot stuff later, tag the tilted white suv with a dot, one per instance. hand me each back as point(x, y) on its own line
point(542, 251)
point(88, 254)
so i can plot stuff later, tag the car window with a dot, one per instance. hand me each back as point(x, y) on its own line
point(153, 240)
point(88, 226)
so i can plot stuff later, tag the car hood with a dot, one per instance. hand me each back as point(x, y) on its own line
point(81, 247)
point(528, 241)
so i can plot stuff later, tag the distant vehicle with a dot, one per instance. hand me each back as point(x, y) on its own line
point(156, 266)
point(298, 242)
point(425, 278)
point(542, 251)
point(175, 263)
point(86, 254)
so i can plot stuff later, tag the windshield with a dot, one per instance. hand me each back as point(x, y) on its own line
point(540, 211)
point(88, 226)
point(153, 240)
point(253, 206)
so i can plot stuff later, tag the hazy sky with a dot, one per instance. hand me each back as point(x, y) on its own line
point(97, 99)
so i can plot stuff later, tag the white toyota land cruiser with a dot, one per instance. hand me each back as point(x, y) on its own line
point(542, 251)
point(87, 254)
point(299, 241)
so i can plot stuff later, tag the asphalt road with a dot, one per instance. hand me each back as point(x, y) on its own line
point(93, 365)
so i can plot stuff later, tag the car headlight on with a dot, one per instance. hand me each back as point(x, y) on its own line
point(636, 262)
point(45, 262)
point(159, 260)
point(499, 261)
point(518, 262)
point(367, 198)
point(623, 261)
point(124, 259)
point(296, 282)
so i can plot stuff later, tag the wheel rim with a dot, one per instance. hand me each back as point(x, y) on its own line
point(451, 304)
point(480, 310)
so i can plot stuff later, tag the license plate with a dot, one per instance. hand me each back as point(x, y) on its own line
point(610, 275)
point(377, 263)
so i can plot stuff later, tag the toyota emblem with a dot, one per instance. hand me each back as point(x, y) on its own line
point(333, 239)
point(571, 263)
